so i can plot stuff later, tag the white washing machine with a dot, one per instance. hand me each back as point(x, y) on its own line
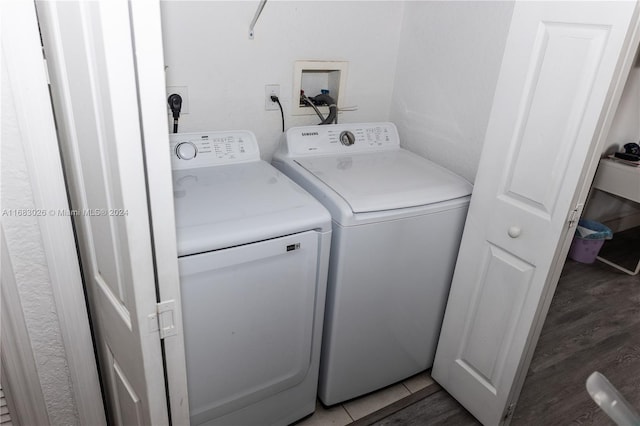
point(253, 253)
point(397, 225)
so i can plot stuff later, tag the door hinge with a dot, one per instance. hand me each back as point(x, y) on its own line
point(574, 215)
point(163, 319)
point(46, 71)
point(510, 410)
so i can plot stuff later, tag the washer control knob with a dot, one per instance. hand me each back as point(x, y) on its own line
point(186, 151)
point(347, 138)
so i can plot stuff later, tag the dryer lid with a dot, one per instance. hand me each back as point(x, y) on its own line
point(228, 205)
point(387, 180)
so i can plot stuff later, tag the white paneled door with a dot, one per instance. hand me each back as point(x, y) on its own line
point(107, 83)
point(563, 68)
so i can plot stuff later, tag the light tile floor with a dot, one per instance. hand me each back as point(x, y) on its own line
point(343, 414)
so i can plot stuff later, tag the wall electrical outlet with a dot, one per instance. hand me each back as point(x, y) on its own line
point(182, 91)
point(269, 90)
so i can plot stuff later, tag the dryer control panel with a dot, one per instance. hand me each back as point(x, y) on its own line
point(202, 149)
point(341, 138)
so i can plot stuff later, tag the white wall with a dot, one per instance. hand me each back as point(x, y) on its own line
point(448, 62)
point(207, 48)
point(24, 242)
point(625, 128)
point(626, 123)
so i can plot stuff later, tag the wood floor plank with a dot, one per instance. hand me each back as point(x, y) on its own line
point(388, 411)
point(593, 325)
point(437, 409)
point(557, 394)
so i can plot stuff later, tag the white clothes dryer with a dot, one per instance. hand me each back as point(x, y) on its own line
point(397, 225)
point(253, 253)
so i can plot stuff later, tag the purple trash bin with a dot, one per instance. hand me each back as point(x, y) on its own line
point(585, 251)
point(588, 240)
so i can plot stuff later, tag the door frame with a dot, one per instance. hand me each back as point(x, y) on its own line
point(631, 52)
point(29, 83)
point(20, 380)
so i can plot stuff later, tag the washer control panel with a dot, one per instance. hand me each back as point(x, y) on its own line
point(341, 138)
point(202, 149)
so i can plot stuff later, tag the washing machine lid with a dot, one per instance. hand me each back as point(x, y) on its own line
point(228, 205)
point(386, 180)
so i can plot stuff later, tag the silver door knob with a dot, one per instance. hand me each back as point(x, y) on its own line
point(514, 231)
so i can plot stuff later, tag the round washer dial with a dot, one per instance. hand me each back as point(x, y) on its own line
point(186, 150)
point(347, 138)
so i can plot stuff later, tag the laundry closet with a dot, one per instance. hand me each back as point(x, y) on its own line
point(432, 68)
point(429, 67)
point(393, 249)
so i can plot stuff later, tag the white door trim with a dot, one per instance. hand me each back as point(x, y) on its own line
point(26, 69)
point(149, 54)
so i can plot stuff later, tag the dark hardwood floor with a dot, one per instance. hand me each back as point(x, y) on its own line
point(593, 325)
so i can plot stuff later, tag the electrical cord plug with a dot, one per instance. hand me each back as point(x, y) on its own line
point(275, 99)
point(175, 104)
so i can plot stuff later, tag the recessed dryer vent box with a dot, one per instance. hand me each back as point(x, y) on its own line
point(314, 76)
